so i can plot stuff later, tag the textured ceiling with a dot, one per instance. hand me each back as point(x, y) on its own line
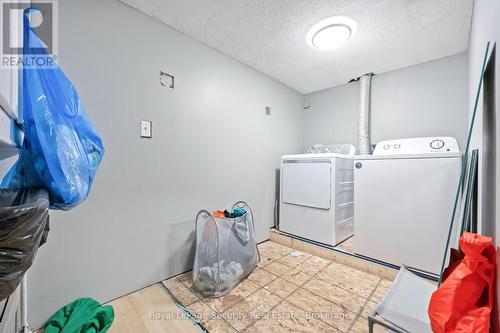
point(269, 35)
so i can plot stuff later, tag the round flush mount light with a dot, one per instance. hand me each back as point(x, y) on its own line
point(331, 33)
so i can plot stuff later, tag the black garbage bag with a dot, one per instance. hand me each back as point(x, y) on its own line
point(24, 223)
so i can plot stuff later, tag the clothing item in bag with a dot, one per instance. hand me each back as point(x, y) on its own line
point(226, 251)
point(465, 300)
point(61, 149)
point(237, 212)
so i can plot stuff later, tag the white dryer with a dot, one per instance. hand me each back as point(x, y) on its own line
point(404, 195)
point(316, 200)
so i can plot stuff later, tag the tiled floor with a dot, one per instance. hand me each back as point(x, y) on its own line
point(289, 291)
point(149, 310)
point(347, 245)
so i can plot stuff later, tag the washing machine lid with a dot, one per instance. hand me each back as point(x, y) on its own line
point(320, 151)
point(313, 156)
point(337, 148)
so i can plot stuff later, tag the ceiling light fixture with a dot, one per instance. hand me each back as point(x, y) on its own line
point(331, 33)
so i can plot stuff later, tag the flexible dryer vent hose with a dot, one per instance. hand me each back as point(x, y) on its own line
point(365, 147)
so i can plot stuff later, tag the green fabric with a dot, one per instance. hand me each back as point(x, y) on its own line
point(84, 315)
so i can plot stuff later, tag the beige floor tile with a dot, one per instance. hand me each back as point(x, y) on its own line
point(285, 318)
point(276, 237)
point(251, 309)
point(348, 270)
point(242, 290)
point(273, 250)
point(264, 300)
point(368, 308)
point(294, 258)
point(361, 326)
point(242, 315)
point(158, 312)
point(320, 296)
point(186, 278)
point(341, 257)
point(267, 326)
point(296, 277)
point(219, 326)
point(245, 288)
point(365, 266)
point(340, 296)
point(313, 265)
point(347, 245)
point(201, 311)
point(338, 263)
point(320, 308)
point(314, 250)
point(126, 318)
point(299, 245)
point(264, 261)
point(381, 289)
point(180, 291)
point(272, 245)
point(382, 271)
point(296, 319)
point(275, 254)
point(281, 287)
point(319, 261)
point(277, 268)
point(261, 277)
point(221, 304)
point(351, 279)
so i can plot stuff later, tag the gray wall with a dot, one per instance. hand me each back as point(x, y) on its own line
point(486, 27)
point(424, 100)
point(212, 145)
point(212, 142)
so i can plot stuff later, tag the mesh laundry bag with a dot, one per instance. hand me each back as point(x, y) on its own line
point(226, 251)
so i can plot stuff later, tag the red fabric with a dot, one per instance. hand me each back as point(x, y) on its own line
point(464, 301)
point(456, 257)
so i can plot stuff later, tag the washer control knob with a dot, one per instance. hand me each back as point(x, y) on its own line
point(386, 147)
point(397, 146)
point(437, 144)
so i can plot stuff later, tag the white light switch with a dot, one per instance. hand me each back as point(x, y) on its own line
point(146, 129)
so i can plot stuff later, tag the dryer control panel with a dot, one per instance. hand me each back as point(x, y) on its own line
point(344, 149)
point(439, 144)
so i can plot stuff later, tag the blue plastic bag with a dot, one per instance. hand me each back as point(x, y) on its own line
point(61, 150)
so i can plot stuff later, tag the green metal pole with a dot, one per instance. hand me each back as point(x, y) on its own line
point(464, 162)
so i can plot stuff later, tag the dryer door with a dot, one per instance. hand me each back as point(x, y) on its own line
point(307, 183)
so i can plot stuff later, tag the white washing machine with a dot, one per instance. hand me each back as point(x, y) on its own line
point(316, 200)
point(404, 195)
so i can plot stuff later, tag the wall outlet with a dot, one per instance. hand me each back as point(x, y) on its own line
point(146, 129)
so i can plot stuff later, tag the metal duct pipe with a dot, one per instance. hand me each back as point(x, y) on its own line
point(364, 142)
